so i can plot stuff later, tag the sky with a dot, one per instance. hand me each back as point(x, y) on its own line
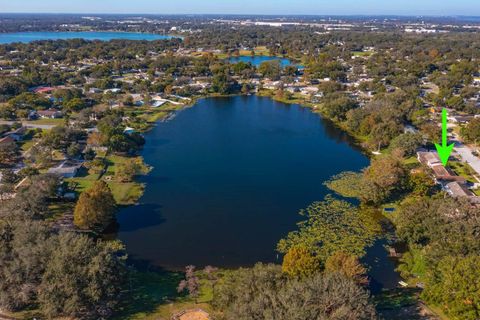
point(273, 7)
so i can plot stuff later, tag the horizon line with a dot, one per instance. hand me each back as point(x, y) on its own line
point(255, 14)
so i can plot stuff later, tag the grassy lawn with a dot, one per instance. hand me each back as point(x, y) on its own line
point(361, 54)
point(58, 209)
point(26, 145)
point(54, 122)
point(154, 297)
point(404, 304)
point(438, 312)
point(125, 193)
point(411, 162)
point(83, 181)
point(463, 170)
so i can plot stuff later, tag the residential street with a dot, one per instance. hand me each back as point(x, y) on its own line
point(465, 153)
point(30, 124)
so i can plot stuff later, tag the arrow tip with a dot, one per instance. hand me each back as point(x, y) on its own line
point(444, 152)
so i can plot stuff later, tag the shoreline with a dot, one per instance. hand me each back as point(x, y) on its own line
point(171, 114)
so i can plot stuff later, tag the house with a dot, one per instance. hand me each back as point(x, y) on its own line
point(5, 141)
point(157, 102)
point(114, 90)
point(17, 134)
point(138, 100)
point(49, 114)
point(430, 159)
point(458, 190)
point(462, 119)
point(441, 174)
point(43, 89)
point(66, 170)
point(309, 90)
point(95, 90)
point(129, 130)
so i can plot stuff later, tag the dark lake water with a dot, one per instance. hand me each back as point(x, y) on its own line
point(257, 60)
point(230, 175)
point(26, 37)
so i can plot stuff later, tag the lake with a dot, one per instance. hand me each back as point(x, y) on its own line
point(257, 60)
point(230, 175)
point(26, 37)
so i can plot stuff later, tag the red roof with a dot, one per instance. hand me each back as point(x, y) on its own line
point(7, 140)
point(43, 90)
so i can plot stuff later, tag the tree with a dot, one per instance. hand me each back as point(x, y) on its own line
point(31, 202)
point(384, 177)
point(471, 132)
point(336, 106)
point(300, 262)
point(9, 177)
point(126, 171)
point(75, 105)
point(347, 265)
point(73, 150)
point(8, 152)
point(407, 142)
point(421, 183)
point(190, 283)
point(40, 155)
point(330, 226)
point(212, 277)
point(271, 69)
point(95, 208)
point(454, 284)
point(66, 275)
point(263, 292)
point(24, 250)
point(82, 278)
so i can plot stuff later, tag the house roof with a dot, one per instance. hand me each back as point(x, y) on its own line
point(457, 189)
point(49, 112)
point(7, 140)
point(43, 89)
point(429, 158)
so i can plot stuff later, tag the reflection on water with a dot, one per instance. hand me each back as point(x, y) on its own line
point(229, 178)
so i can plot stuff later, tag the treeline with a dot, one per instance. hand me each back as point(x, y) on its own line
point(62, 274)
point(441, 232)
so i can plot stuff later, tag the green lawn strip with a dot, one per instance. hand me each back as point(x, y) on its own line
point(154, 295)
point(463, 170)
point(59, 209)
point(83, 181)
point(55, 122)
point(26, 145)
point(125, 193)
point(361, 54)
point(438, 312)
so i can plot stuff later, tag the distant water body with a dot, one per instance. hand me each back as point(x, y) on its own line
point(258, 60)
point(26, 37)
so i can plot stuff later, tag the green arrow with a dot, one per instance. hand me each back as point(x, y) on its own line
point(444, 150)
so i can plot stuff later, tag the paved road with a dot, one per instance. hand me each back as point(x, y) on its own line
point(30, 124)
point(465, 152)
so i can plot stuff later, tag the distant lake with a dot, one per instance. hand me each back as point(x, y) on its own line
point(230, 175)
point(257, 60)
point(26, 37)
